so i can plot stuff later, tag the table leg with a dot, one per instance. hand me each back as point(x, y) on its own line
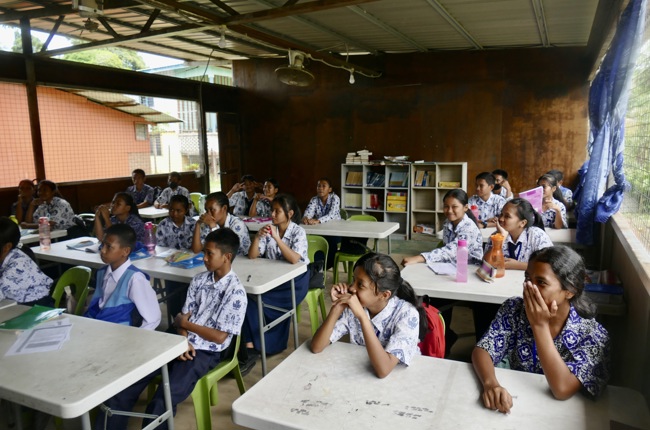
point(85, 421)
point(260, 312)
point(168, 397)
point(295, 314)
point(389, 244)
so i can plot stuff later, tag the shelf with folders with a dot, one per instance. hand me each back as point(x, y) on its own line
point(429, 184)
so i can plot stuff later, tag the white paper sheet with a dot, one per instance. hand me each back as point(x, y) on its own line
point(48, 336)
point(442, 268)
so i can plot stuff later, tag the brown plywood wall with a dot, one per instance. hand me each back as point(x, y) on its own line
point(521, 110)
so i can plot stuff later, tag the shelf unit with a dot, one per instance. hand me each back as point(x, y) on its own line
point(359, 182)
point(426, 201)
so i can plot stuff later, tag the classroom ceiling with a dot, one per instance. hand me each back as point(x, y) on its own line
point(328, 29)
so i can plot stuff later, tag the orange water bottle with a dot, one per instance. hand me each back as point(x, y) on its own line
point(494, 257)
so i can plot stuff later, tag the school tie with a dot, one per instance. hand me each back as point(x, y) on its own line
point(514, 250)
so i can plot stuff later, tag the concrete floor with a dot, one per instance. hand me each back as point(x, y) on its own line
point(462, 324)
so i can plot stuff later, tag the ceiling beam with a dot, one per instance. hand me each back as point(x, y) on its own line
point(225, 7)
point(540, 19)
point(57, 24)
point(107, 26)
point(455, 24)
point(381, 24)
point(57, 10)
point(150, 21)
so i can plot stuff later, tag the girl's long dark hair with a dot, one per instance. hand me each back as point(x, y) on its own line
point(220, 197)
point(462, 197)
point(128, 200)
point(552, 181)
point(385, 274)
point(569, 268)
point(10, 233)
point(525, 211)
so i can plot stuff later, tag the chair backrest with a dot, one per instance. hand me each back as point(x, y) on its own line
point(344, 213)
point(77, 277)
point(362, 218)
point(14, 219)
point(316, 243)
point(196, 198)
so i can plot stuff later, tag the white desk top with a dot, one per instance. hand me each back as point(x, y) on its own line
point(425, 281)
point(99, 361)
point(369, 229)
point(565, 236)
point(151, 212)
point(336, 389)
point(264, 274)
point(33, 237)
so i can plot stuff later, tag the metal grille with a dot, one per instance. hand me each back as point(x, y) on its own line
point(636, 204)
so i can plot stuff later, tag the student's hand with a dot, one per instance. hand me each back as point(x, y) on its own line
point(497, 398)
point(412, 260)
point(501, 229)
point(537, 312)
point(208, 220)
point(237, 187)
point(264, 231)
point(103, 212)
point(505, 184)
point(352, 302)
point(274, 232)
point(181, 319)
point(189, 354)
point(338, 291)
point(156, 205)
point(508, 262)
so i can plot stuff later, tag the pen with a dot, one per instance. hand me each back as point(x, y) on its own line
point(249, 278)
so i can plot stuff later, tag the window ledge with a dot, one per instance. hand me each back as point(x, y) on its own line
point(638, 255)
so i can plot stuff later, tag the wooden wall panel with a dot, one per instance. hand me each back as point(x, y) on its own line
point(521, 110)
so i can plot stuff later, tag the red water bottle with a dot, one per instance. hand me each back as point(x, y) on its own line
point(149, 238)
point(474, 210)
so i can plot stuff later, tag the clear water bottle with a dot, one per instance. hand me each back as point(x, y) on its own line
point(149, 238)
point(462, 255)
point(202, 204)
point(44, 233)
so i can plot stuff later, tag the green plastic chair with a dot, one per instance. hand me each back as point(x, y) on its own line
point(344, 213)
point(14, 219)
point(196, 198)
point(316, 296)
point(350, 259)
point(78, 278)
point(205, 394)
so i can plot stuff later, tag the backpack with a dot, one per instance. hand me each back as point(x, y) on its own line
point(433, 343)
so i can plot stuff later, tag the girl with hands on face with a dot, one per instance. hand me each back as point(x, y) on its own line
point(261, 205)
point(378, 310)
point(550, 330)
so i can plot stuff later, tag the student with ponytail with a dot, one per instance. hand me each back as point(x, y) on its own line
point(379, 310)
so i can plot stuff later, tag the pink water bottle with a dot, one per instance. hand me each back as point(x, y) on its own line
point(462, 256)
point(44, 233)
point(474, 210)
point(149, 238)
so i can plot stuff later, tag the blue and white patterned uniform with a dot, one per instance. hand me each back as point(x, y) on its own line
point(466, 229)
point(529, 241)
point(503, 192)
point(583, 344)
point(21, 279)
point(238, 202)
point(567, 194)
point(135, 223)
point(263, 208)
point(549, 216)
point(236, 225)
point(167, 193)
point(329, 211)
point(170, 235)
point(218, 304)
point(144, 195)
point(295, 237)
point(397, 327)
point(487, 209)
point(58, 210)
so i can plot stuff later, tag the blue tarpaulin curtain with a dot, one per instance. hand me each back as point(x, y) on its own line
point(608, 98)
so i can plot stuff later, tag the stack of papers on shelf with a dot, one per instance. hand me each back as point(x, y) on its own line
point(359, 157)
point(349, 158)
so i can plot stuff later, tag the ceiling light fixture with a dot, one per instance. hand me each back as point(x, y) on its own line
point(352, 76)
point(222, 39)
point(295, 73)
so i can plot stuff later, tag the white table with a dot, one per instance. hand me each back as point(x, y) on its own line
point(565, 236)
point(425, 281)
point(33, 237)
point(151, 212)
point(363, 229)
point(100, 360)
point(336, 389)
point(258, 276)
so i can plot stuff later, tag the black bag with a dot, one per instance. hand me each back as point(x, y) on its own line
point(351, 245)
point(316, 274)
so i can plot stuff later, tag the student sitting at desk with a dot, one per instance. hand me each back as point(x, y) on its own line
point(501, 185)
point(553, 205)
point(567, 194)
point(283, 240)
point(123, 293)
point(26, 191)
point(379, 310)
point(261, 205)
point(489, 205)
point(325, 206)
point(242, 194)
point(551, 330)
point(217, 216)
point(49, 204)
point(213, 313)
point(142, 193)
point(123, 210)
point(21, 279)
point(174, 188)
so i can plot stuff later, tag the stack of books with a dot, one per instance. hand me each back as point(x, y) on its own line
point(354, 179)
point(424, 178)
point(353, 200)
point(398, 179)
point(396, 202)
point(359, 157)
point(375, 179)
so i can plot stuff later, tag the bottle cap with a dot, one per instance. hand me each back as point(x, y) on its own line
point(462, 242)
point(148, 225)
point(473, 207)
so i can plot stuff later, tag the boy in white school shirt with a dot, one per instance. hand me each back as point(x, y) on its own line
point(123, 294)
point(489, 205)
point(213, 313)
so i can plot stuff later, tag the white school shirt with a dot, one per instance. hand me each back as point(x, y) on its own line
point(236, 225)
point(295, 237)
point(21, 279)
point(140, 293)
point(529, 241)
point(549, 216)
point(487, 209)
point(329, 211)
point(167, 193)
point(466, 229)
point(58, 210)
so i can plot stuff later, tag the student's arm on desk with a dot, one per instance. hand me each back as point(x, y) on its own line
point(321, 339)
point(494, 396)
point(512, 264)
